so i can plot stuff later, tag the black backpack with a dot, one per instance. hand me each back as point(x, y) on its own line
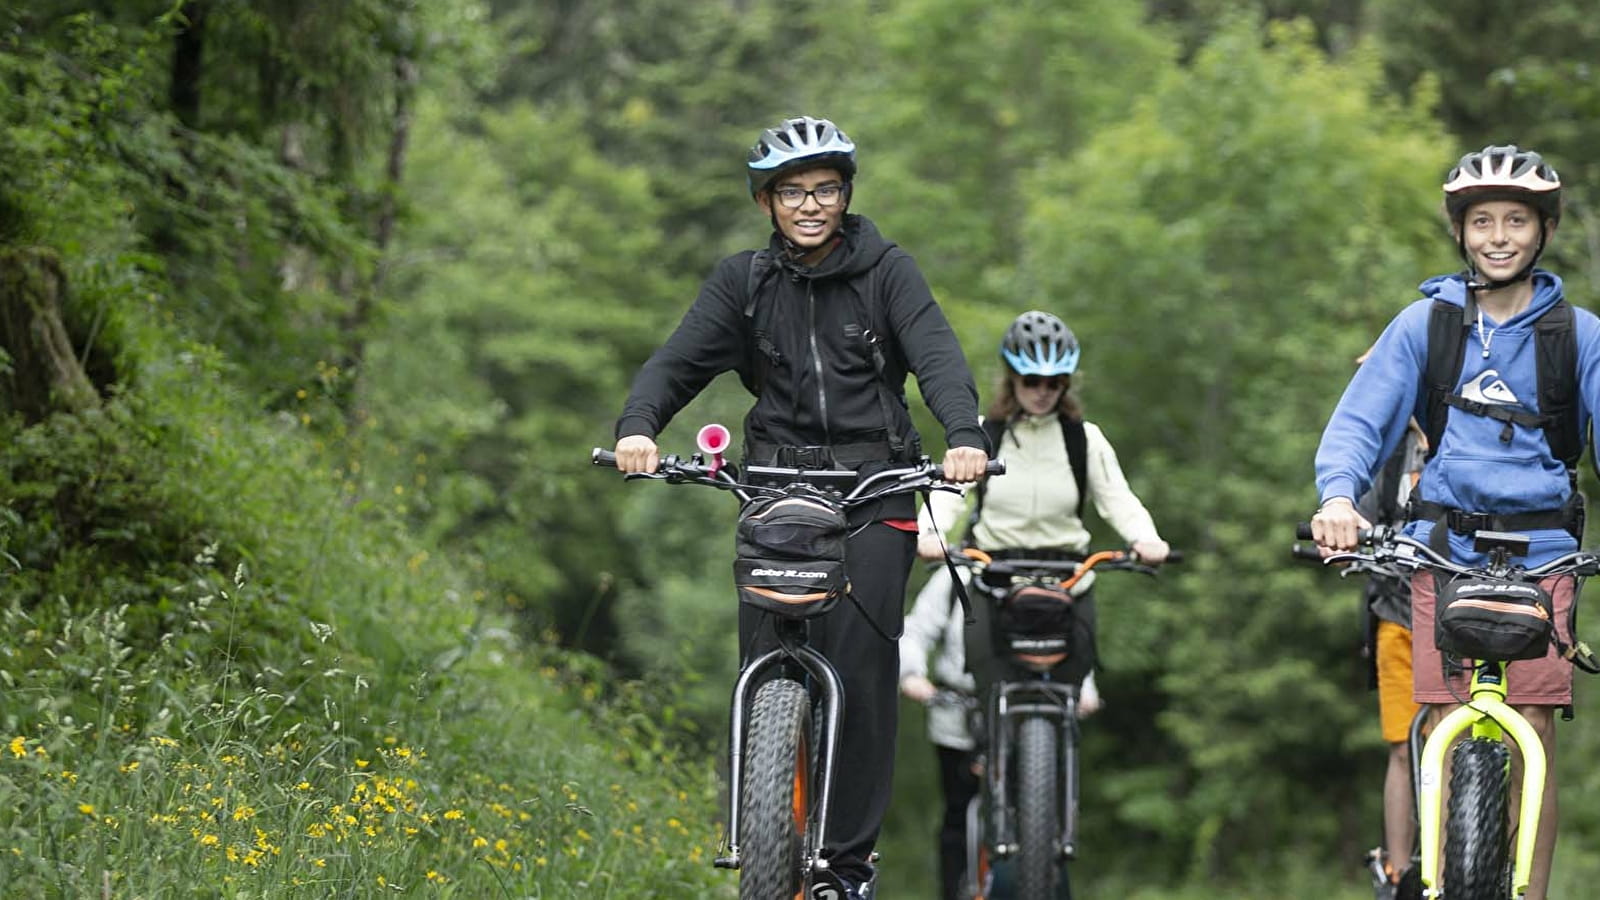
point(1556, 342)
point(1077, 441)
point(762, 352)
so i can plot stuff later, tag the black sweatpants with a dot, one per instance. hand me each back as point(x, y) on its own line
point(878, 559)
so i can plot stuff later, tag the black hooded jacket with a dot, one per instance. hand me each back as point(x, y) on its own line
point(818, 383)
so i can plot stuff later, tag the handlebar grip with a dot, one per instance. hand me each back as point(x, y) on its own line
point(1173, 556)
point(1302, 531)
point(600, 457)
point(1300, 551)
point(992, 467)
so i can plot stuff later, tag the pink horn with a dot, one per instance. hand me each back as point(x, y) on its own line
point(713, 439)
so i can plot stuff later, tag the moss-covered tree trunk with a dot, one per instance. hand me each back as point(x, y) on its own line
point(44, 374)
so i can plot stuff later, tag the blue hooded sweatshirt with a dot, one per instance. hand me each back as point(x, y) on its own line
point(1473, 470)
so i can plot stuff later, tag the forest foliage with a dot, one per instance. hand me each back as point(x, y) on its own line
point(384, 270)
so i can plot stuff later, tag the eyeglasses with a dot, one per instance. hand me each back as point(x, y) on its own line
point(1048, 382)
point(791, 197)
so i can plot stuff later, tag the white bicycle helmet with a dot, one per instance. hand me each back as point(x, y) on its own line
point(1038, 343)
point(1503, 173)
point(801, 142)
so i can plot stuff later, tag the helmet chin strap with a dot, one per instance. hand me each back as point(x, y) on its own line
point(1475, 282)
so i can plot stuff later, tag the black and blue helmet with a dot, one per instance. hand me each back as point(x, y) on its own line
point(1038, 343)
point(799, 143)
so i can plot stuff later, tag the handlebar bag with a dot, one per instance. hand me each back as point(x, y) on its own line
point(1039, 626)
point(790, 556)
point(1484, 619)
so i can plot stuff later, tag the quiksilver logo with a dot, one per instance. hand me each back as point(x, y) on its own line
point(788, 573)
point(1488, 387)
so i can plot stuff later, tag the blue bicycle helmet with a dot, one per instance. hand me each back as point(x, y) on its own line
point(799, 143)
point(1038, 343)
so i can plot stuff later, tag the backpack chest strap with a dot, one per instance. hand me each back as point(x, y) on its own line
point(1509, 415)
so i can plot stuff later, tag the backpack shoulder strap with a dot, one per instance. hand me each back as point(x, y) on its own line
point(760, 351)
point(760, 267)
point(1077, 441)
point(866, 290)
point(1556, 346)
point(1447, 338)
point(994, 430)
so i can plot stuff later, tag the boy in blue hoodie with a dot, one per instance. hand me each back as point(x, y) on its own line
point(1493, 466)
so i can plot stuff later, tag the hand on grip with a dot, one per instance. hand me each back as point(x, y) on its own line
point(637, 453)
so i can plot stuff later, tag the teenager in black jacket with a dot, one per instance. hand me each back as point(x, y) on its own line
point(823, 327)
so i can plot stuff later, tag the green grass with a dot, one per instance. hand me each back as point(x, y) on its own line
point(489, 781)
point(226, 670)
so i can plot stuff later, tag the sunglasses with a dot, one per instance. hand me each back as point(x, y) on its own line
point(1048, 382)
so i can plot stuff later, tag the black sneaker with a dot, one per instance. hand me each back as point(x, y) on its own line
point(828, 885)
point(1410, 885)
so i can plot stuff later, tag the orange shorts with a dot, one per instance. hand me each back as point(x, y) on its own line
point(1396, 708)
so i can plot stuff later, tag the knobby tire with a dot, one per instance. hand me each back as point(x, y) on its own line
point(777, 795)
point(1038, 809)
point(1476, 847)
